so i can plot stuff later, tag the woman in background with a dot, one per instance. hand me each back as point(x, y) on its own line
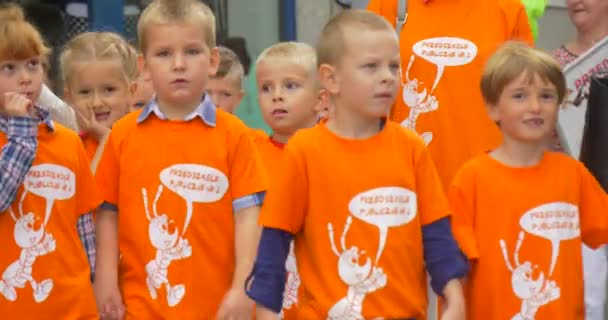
point(590, 17)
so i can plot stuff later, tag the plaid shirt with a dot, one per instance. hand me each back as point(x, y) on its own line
point(16, 159)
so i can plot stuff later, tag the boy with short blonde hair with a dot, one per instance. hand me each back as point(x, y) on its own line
point(226, 86)
point(288, 89)
point(288, 95)
point(359, 195)
point(183, 204)
point(524, 244)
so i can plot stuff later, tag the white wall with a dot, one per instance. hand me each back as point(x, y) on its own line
point(554, 27)
point(255, 20)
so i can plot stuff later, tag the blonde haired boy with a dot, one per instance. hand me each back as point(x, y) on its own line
point(359, 195)
point(182, 185)
point(226, 87)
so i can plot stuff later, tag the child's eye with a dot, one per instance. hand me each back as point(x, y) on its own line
point(292, 85)
point(9, 67)
point(84, 91)
point(139, 104)
point(162, 53)
point(33, 63)
point(370, 65)
point(227, 94)
point(110, 89)
point(193, 51)
point(394, 66)
point(519, 96)
point(265, 88)
point(548, 96)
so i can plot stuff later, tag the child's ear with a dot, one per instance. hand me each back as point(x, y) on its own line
point(493, 112)
point(214, 61)
point(132, 87)
point(141, 63)
point(328, 78)
point(241, 95)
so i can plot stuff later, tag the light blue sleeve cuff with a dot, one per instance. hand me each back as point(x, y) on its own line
point(250, 200)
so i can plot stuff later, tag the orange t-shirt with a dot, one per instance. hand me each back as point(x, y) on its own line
point(45, 272)
point(523, 228)
point(444, 48)
point(271, 153)
point(356, 208)
point(90, 145)
point(174, 183)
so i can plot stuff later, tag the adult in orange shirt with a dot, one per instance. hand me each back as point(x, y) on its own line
point(181, 184)
point(288, 94)
point(360, 195)
point(525, 245)
point(46, 187)
point(444, 46)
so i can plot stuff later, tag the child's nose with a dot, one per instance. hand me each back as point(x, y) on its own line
point(534, 105)
point(97, 101)
point(25, 78)
point(178, 62)
point(277, 95)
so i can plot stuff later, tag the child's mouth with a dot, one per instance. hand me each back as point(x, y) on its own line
point(535, 122)
point(102, 116)
point(278, 112)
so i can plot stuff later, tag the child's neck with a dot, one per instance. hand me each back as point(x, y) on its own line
point(280, 137)
point(345, 124)
point(517, 154)
point(177, 111)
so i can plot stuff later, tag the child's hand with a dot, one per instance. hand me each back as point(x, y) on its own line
point(89, 124)
point(109, 301)
point(16, 105)
point(235, 306)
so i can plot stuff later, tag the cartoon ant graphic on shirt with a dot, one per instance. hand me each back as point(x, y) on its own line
point(418, 102)
point(169, 247)
point(534, 293)
point(30, 236)
point(361, 279)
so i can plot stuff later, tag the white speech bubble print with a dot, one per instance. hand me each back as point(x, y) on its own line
point(556, 221)
point(51, 182)
point(384, 207)
point(195, 183)
point(445, 51)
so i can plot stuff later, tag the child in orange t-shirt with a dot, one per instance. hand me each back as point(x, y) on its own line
point(525, 244)
point(360, 195)
point(288, 95)
point(99, 69)
point(46, 187)
point(226, 87)
point(444, 46)
point(181, 184)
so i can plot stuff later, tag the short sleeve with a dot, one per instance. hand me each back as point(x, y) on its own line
point(286, 201)
point(461, 199)
point(387, 9)
point(432, 203)
point(107, 173)
point(246, 176)
point(593, 210)
point(521, 28)
point(87, 195)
